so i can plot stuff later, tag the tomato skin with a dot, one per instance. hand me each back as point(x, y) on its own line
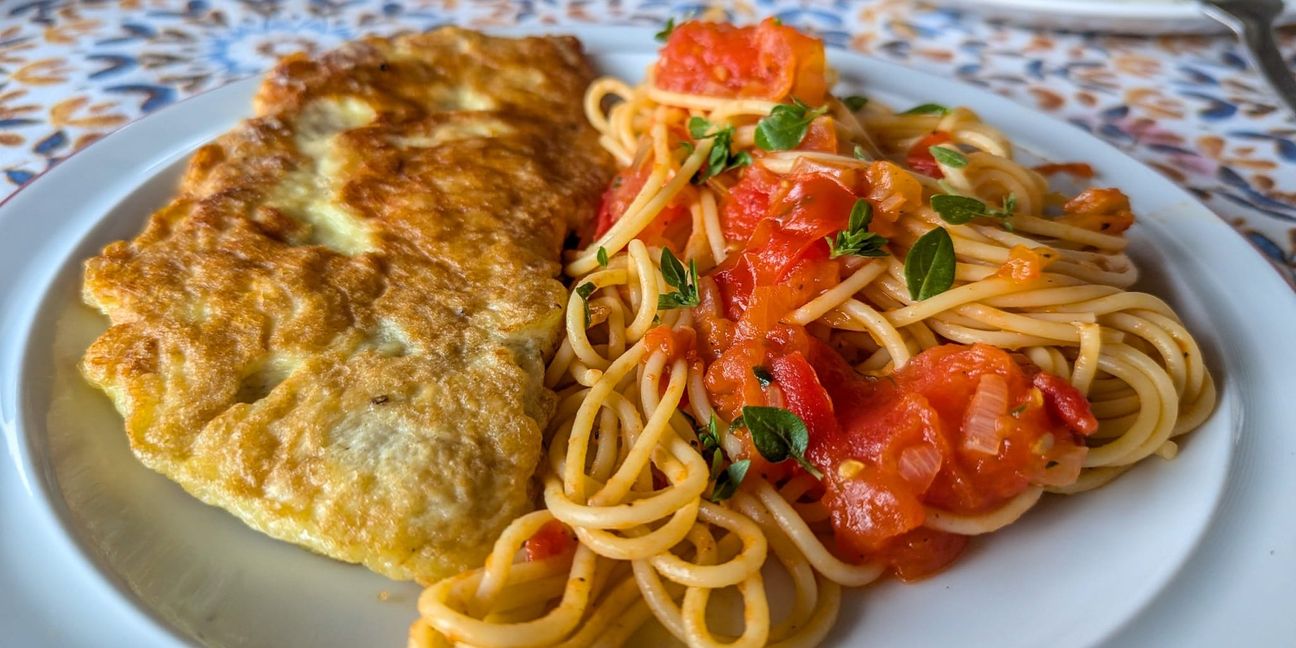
point(1066, 403)
point(748, 202)
point(920, 158)
point(768, 60)
point(552, 539)
point(803, 394)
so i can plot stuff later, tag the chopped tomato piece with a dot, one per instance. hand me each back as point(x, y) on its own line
point(553, 539)
point(1026, 264)
point(820, 136)
point(893, 192)
point(672, 342)
point(920, 158)
point(769, 61)
point(1100, 210)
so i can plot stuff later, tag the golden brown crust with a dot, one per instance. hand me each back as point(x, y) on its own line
point(337, 329)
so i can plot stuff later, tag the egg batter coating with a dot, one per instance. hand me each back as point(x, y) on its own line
point(337, 330)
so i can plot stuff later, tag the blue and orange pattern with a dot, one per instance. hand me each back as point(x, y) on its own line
point(1188, 106)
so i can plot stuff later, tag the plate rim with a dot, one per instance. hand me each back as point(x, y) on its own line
point(25, 458)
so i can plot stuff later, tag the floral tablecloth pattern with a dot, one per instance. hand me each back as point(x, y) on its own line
point(71, 72)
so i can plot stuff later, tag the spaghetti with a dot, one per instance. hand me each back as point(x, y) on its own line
point(1030, 368)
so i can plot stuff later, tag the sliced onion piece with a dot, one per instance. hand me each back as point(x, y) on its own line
point(919, 464)
point(1063, 467)
point(981, 429)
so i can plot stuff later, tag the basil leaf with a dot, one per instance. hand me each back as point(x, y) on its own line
point(855, 102)
point(668, 29)
point(929, 266)
point(778, 435)
point(957, 210)
point(686, 293)
point(948, 156)
point(763, 376)
point(856, 239)
point(727, 482)
point(786, 125)
point(927, 109)
point(584, 291)
point(602, 256)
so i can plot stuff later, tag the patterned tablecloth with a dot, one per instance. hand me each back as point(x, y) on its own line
point(1188, 106)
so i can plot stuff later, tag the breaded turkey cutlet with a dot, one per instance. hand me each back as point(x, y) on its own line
point(337, 330)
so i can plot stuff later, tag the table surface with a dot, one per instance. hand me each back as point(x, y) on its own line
point(1189, 106)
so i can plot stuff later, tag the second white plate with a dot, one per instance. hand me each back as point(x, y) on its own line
point(1140, 17)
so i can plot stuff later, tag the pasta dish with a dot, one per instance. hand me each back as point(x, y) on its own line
point(815, 334)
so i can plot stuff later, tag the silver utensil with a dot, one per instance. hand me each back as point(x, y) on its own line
point(1253, 22)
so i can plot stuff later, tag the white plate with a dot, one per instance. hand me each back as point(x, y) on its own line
point(1139, 17)
point(97, 550)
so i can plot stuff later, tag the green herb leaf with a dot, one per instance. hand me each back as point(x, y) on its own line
point(786, 125)
point(602, 256)
point(1016, 411)
point(666, 31)
point(698, 127)
point(948, 156)
point(727, 482)
point(584, 291)
point(1005, 213)
point(856, 239)
point(717, 464)
point(860, 154)
point(927, 109)
point(720, 159)
point(929, 266)
point(686, 291)
point(763, 376)
point(778, 435)
point(855, 102)
point(957, 210)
